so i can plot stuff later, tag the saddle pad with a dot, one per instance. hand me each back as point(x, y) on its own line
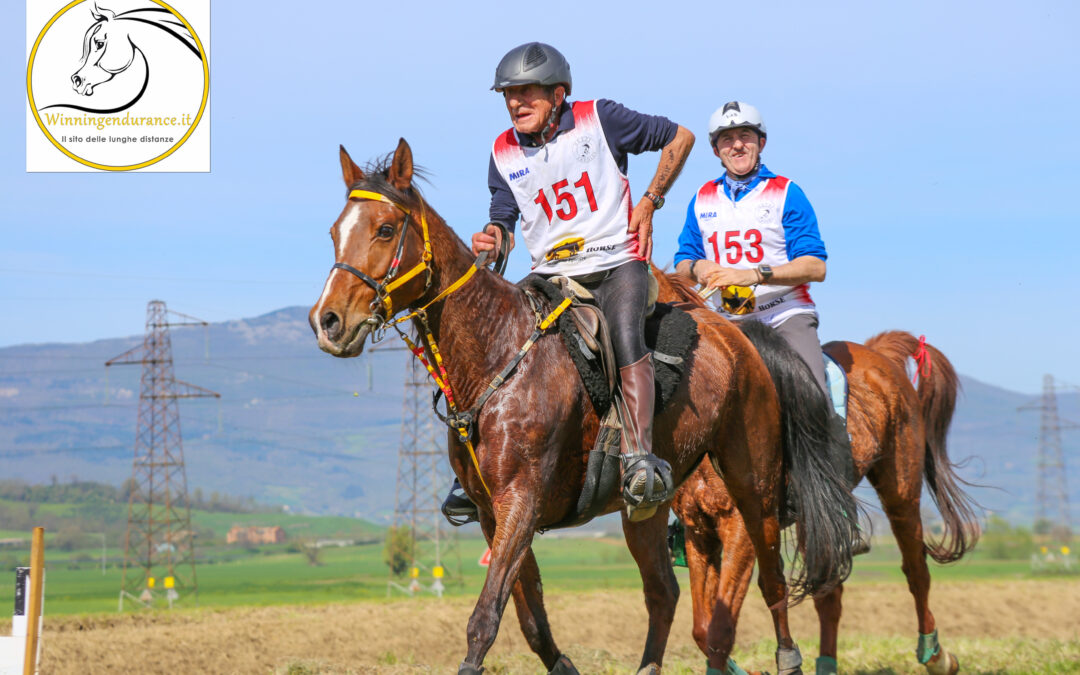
point(668, 330)
point(836, 382)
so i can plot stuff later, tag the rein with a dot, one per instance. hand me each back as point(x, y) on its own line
point(457, 420)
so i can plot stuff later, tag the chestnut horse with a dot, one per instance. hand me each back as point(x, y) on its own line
point(533, 435)
point(898, 438)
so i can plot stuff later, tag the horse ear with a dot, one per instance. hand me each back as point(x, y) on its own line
point(401, 169)
point(101, 14)
point(349, 171)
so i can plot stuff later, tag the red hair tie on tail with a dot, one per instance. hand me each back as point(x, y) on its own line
point(923, 365)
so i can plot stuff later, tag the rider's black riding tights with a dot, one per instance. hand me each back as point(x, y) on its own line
point(621, 293)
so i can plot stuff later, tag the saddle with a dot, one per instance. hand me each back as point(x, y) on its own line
point(670, 332)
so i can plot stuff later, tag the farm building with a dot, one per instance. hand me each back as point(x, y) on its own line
point(255, 535)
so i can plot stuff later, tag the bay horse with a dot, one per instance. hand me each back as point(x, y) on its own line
point(898, 439)
point(522, 460)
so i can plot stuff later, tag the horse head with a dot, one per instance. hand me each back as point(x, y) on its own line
point(379, 254)
point(107, 51)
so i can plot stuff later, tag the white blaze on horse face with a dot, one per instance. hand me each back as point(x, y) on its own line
point(346, 226)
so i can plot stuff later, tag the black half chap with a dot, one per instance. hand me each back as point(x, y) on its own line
point(621, 294)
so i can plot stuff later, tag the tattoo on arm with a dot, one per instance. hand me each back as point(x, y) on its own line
point(671, 164)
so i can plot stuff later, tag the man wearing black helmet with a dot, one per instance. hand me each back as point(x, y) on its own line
point(561, 168)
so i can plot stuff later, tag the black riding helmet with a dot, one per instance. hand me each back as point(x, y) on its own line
point(532, 63)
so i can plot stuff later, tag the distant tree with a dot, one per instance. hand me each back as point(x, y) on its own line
point(397, 553)
point(312, 552)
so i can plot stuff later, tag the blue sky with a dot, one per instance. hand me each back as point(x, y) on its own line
point(937, 142)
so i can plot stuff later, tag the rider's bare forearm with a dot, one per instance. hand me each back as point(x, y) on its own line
point(801, 270)
point(672, 157)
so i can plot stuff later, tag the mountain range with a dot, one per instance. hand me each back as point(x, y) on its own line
point(299, 428)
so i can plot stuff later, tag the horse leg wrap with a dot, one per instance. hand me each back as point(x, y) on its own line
point(789, 661)
point(563, 667)
point(931, 654)
point(732, 668)
point(467, 668)
point(651, 669)
point(825, 665)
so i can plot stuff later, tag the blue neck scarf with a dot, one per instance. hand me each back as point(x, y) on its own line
point(738, 187)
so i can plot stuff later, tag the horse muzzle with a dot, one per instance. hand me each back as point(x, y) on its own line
point(335, 338)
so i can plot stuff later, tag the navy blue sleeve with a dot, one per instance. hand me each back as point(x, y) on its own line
point(630, 132)
point(800, 226)
point(503, 208)
point(691, 246)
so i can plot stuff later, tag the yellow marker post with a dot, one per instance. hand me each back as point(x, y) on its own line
point(437, 572)
point(1065, 550)
point(150, 581)
point(33, 614)
point(170, 582)
point(415, 573)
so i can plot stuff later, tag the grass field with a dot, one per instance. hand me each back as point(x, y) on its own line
point(267, 610)
point(272, 575)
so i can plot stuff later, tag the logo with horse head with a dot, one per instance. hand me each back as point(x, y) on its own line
point(137, 91)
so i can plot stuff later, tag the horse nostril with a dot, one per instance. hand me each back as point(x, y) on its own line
point(331, 325)
point(76, 79)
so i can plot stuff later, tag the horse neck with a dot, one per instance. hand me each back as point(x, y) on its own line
point(480, 325)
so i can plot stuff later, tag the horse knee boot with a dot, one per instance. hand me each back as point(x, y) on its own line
point(647, 479)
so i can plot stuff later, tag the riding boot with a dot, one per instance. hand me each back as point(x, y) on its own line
point(647, 479)
point(458, 508)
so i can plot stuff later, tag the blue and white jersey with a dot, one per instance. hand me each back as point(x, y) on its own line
point(572, 193)
point(772, 223)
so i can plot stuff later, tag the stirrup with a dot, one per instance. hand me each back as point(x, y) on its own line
point(646, 482)
point(457, 508)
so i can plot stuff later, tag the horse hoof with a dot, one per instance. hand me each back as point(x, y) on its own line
point(943, 663)
point(563, 667)
point(469, 669)
point(651, 669)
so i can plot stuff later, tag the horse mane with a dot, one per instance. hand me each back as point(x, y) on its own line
point(153, 16)
point(377, 179)
point(680, 287)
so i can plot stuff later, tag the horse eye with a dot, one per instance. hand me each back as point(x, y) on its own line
point(385, 231)
point(98, 44)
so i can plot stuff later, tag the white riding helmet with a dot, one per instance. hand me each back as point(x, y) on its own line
point(735, 114)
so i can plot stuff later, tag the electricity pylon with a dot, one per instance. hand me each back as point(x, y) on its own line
point(1053, 497)
point(423, 474)
point(159, 547)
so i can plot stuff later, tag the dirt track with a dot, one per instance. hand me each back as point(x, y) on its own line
point(597, 630)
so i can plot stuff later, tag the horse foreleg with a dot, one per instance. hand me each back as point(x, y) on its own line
point(513, 526)
point(647, 541)
point(828, 608)
point(529, 601)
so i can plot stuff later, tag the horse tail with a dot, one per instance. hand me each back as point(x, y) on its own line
point(937, 390)
point(825, 509)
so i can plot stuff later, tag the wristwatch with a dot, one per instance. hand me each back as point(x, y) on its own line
point(657, 200)
point(766, 273)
